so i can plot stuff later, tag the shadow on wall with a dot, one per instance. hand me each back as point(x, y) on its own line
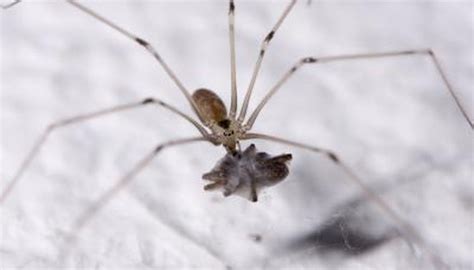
point(353, 229)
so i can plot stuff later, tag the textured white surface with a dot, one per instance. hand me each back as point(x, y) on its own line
point(391, 120)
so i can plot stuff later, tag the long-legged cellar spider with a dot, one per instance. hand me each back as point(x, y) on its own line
point(348, 132)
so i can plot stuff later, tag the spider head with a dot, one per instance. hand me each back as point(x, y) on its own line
point(227, 132)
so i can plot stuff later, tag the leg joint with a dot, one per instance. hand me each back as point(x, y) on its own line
point(231, 7)
point(333, 156)
point(158, 148)
point(142, 42)
point(269, 36)
point(148, 101)
point(309, 60)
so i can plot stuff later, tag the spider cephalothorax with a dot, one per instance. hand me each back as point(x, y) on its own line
point(247, 172)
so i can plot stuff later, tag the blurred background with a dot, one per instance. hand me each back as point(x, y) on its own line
point(391, 120)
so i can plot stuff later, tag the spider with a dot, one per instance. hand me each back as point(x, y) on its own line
point(216, 125)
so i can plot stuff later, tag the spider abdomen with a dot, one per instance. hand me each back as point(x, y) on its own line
point(210, 105)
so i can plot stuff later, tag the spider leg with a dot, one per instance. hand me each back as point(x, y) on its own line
point(253, 192)
point(122, 182)
point(84, 117)
point(233, 70)
point(263, 48)
point(328, 59)
point(148, 47)
point(405, 228)
point(10, 4)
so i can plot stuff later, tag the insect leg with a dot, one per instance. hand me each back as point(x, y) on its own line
point(328, 59)
point(122, 182)
point(10, 4)
point(233, 70)
point(405, 228)
point(147, 46)
point(263, 48)
point(82, 118)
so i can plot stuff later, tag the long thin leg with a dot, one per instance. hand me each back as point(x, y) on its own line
point(81, 118)
point(263, 48)
point(406, 228)
point(10, 4)
point(127, 178)
point(327, 59)
point(148, 47)
point(233, 70)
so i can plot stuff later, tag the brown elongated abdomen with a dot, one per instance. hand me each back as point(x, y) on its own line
point(210, 105)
